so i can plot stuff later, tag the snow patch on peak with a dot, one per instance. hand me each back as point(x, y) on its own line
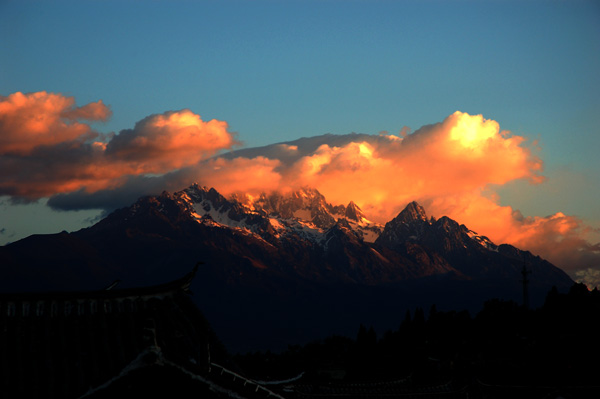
point(276, 224)
point(482, 240)
point(304, 213)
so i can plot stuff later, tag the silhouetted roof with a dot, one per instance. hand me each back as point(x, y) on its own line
point(96, 343)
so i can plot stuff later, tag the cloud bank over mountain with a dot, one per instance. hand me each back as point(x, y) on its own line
point(47, 149)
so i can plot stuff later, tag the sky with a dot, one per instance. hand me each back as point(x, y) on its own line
point(485, 111)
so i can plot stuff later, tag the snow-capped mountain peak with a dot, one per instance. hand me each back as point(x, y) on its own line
point(306, 214)
point(302, 213)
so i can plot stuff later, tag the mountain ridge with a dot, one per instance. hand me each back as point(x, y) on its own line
point(293, 266)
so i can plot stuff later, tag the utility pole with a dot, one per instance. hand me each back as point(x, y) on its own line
point(524, 273)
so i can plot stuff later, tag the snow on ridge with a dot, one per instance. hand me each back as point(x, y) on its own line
point(482, 240)
point(215, 214)
point(263, 219)
point(300, 224)
point(368, 231)
point(365, 222)
point(308, 230)
point(370, 236)
point(276, 223)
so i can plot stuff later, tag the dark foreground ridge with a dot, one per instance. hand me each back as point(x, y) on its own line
point(153, 342)
point(505, 351)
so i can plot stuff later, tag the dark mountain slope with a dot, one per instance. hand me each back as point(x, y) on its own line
point(470, 254)
point(281, 269)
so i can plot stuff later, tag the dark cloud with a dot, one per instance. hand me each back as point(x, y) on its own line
point(131, 189)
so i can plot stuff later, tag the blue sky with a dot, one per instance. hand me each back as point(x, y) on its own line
point(280, 70)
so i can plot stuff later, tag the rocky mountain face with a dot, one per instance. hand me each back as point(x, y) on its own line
point(304, 212)
point(282, 268)
point(470, 254)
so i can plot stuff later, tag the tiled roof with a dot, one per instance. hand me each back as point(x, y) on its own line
point(63, 344)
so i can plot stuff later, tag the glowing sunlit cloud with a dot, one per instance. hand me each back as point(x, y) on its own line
point(461, 156)
point(160, 143)
point(244, 175)
point(47, 149)
point(472, 132)
point(30, 120)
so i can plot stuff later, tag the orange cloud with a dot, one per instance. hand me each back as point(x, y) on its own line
point(160, 143)
point(244, 175)
point(28, 121)
point(47, 149)
point(461, 155)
